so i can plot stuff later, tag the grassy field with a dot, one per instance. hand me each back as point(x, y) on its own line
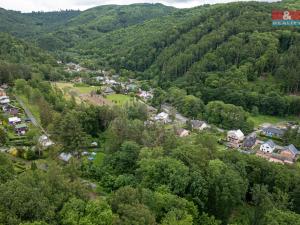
point(85, 90)
point(79, 89)
point(34, 109)
point(69, 88)
point(99, 158)
point(119, 99)
point(260, 119)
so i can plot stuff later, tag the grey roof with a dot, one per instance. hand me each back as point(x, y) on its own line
point(292, 149)
point(108, 90)
point(197, 123)
point(271, 143)
point(252, 135)
point(273, 130)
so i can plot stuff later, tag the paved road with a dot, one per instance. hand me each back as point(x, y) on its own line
point(31, 116)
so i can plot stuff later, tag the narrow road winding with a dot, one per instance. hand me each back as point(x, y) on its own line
point(31, 116)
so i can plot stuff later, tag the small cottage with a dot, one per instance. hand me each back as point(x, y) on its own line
point(108, 91)
point(162, 117)
point(21, 129)
point(2, 92)
point(65, 157)
point(4, 100)
point(182, 132)
point(14, 120)
point(273, 132)
point(13, 111)
point(45, 141)
point(234, 138)
point(199, 125)
point(268, 146)
point(290, 152)
point(250, 140)
point(145, 95)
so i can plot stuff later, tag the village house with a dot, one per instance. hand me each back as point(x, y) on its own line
point(2, 92)
point(65, 157)
point(268, 146)
point(273, 132)
point(108, 91)
point(99, 79)
point(289, 152)
point(72, 67)
point(182, 132)
point(4, 86)
point(131, 88)
point(21, 129)
point(4, 100)
point(234, 138)
point(115, 76)
point(77, 80)
point(111, 82)
point(14, 120)
point(199, 125)
point(45, 142)
point(145, 95)
point(13, 111)
point(162, 117)
point(250, 140)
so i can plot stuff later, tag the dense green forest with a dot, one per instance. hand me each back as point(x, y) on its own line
point(19, 59)
point(146, 175)
point(226, 52)
point(219, 63)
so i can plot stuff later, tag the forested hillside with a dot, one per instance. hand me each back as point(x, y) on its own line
point(222, 52)
point(58, 30)
point(79, 162)
point(22, 60)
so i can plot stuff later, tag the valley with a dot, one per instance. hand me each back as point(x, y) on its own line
point(146, 114)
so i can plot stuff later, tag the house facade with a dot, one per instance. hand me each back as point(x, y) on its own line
point(199, 125)
point(162, 117)
point(235, 138)
point(273, 132)
point(250, 140)
point(14, 120)
point(21, 129)
point(182, 132)
point(4, 100)
point(268, 147)
point(290, 152)
point(2, 92)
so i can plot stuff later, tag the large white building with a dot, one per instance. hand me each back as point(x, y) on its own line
point(268, 147)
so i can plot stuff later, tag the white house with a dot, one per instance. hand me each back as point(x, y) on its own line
point(4, 100)
point(14, 120)
point(268, 146)
point(199, 125)
point(235, 137)
point(163, 117)
point(99, 78)
point(65, 157)
point(145, 95)
point(45, 141)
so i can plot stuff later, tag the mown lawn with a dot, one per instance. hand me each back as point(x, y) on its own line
point(99, 158)
point(119, 99)
point(260, 119)
point(78, 89)
point(85, 90)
